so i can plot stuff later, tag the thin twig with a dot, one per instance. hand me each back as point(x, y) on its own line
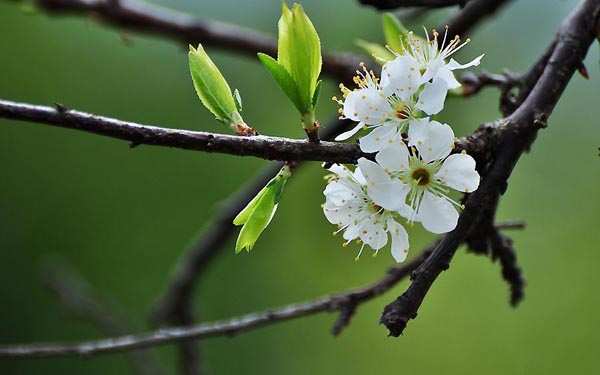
point(270, 148)
point(473, 14)
point(502, 249)
point(151, 19)
point(228, 327)
point(79, 298)
point(394, 4)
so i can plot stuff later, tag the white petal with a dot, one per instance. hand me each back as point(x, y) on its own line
point(437, 214)
point(338, 194)
point(431, 100)
point(433, 140)
point(359, 177)
point(379, 138)
point(350, 133)
point(336, 214)
point(340, 170)
point(399, 240)
point(373, 172)
point(374, 235)
point(447, 76)
point(453, 64)
point(432, 69)
point(401, 77)
point(458, 172)
point(381, 188)
point(394, 157)
point(367, 105)
point(351, 232)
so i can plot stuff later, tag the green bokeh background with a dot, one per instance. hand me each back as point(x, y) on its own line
point(122, 217)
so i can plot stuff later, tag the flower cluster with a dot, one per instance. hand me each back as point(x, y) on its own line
point(414, 168)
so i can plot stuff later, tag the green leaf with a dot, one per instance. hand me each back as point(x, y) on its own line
point(317, 93)
point(379, 52)
point(395, 33)
point(238, 100)
point(285, 81)
point(299, 51)
point(257, 215)
point(211, 86)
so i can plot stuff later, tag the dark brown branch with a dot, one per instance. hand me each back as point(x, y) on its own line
point(511, 224)
point(516, 134)
point(270, 148)
point(234, 326)
point(394, 4)
point(502, 249)
point(78, 297)
point(151, 19)
point(468, 18)
point(472, 83)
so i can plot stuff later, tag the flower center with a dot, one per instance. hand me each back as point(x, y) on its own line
point(421, 176)
point(401, 111)
point(374, 208)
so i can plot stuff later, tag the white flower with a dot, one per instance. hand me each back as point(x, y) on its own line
point(388, 112)
point(348, 206)
point(429, 62)
point(425, 176)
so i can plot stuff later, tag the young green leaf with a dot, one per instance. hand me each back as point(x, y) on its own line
point(284, 79)
point(211, 86)
point(379, 52)
point(395, 33)
point(257, 215)
point(299, 50)
point(317, 93)
point(299, 61)
point(238, 100)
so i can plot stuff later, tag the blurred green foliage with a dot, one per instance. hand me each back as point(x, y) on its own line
point(122, 217)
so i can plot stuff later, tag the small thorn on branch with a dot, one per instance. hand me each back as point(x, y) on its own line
point(60, 108)
point(347, 311)
point(583, 71)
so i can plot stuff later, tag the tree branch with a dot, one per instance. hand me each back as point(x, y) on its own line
point(475, 12)
point(394, 4)
point(270, 148)
point(265, 147)
point(151, 19)
point(76, 295)
point(229, 327)
point(517, 132)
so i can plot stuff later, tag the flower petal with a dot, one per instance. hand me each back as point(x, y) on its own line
point(399, 240)
point(401, 77)
point(367, 105)
point(433, 140)
point(453, 64)
point(340, 170)
point(458, 172)
point(432, 69)
point(338, 194)
point(437, 214)
point(374, 235)
point(381, 188)
point(379, 138)
point(394, 157)
point(431, 100)
point(447, 76)
point(350, 133)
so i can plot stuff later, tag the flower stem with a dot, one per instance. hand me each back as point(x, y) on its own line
point(311, 126)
